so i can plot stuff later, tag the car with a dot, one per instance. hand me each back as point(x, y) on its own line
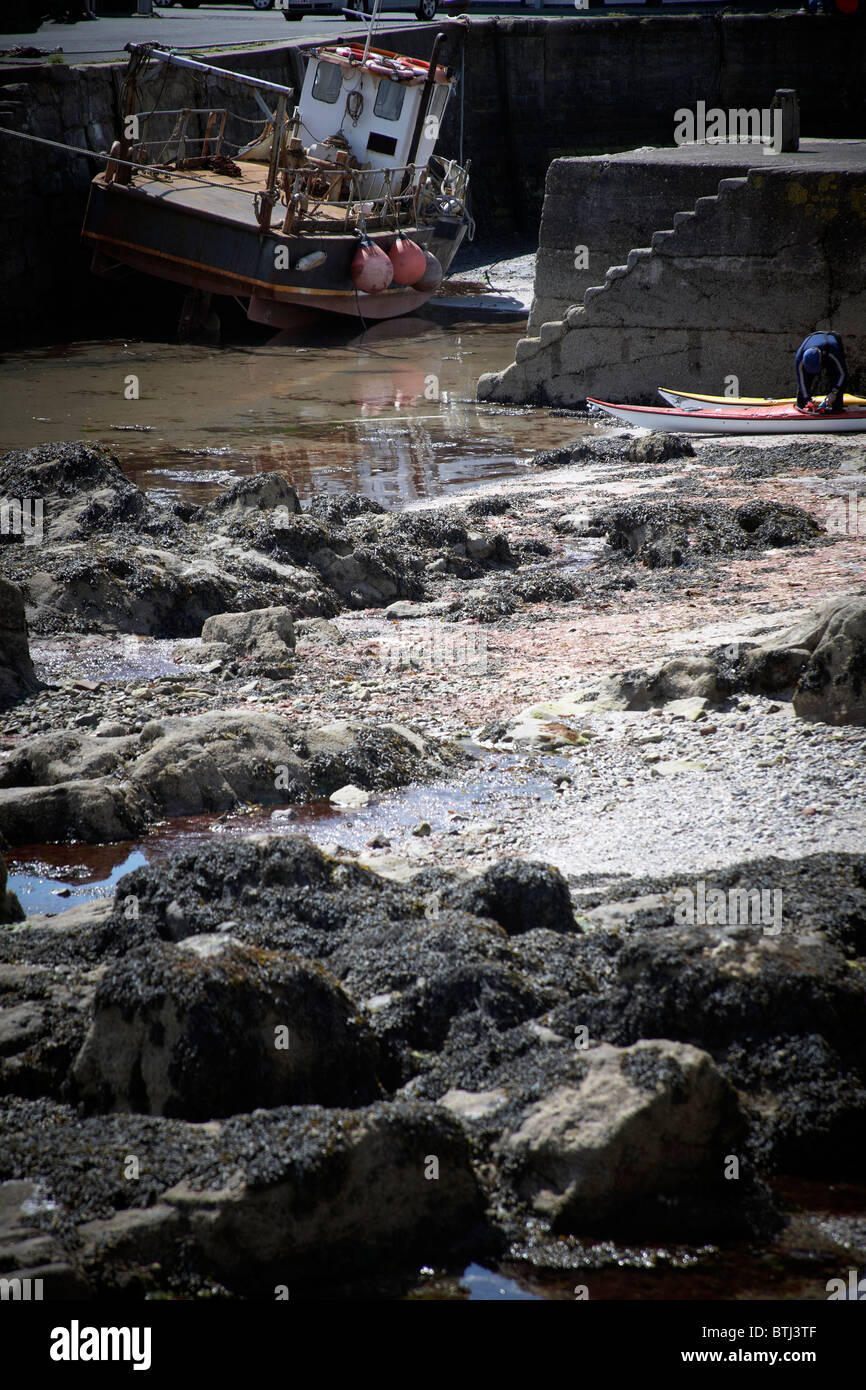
point(298, 9)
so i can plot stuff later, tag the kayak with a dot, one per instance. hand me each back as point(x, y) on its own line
point(755, 419)
point(686, 400)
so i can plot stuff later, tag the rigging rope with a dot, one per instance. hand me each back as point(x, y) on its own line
point(153, 170)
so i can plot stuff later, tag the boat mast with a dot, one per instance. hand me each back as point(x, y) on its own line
point(370, 20)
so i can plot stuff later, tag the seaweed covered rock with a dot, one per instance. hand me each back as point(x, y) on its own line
point(345, 506)
point(520, 895)
point(210, 1027)
point(773, 991)
point(660, 534)
point(105, 586)
point(641, 1142)
point(260, 493)
point(91, 788)
point(832, 683)
point(415, 965)
point(658, 447)
point(300, 1196)
point(83, 491)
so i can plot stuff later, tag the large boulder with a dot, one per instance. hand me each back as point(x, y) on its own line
point(74, 784)
point(109, 587)
point(832, 684)
point(217, 760)
point(17, 676)
point(338, 1191)
point(210, 1027)
point(264, 637)
point(300, 1197)
point(83, 491)
point(96, 812)
point(643, 1141)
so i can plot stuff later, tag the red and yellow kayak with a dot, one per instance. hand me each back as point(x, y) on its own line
point(754, 419)
point(684, 400)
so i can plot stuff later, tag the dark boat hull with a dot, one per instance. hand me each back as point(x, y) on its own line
point(205, 238)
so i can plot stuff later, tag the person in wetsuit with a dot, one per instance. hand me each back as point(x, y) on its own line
point(817, 353)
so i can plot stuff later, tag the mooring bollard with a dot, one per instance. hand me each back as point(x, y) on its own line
point(785, 100)
point(145, 9)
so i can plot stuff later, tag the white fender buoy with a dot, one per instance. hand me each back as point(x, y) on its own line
point(310, 261)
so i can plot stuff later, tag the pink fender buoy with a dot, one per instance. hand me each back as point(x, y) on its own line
point(371, 270)
point(408, 260)
point(432, 277)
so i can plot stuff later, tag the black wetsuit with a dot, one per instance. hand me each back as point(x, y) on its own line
point(832, 358)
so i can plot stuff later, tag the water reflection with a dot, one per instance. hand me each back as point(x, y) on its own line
point(390, 413)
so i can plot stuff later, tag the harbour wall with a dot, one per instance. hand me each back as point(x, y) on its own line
point(532, 90)
point(718, 302)
point(596, 210)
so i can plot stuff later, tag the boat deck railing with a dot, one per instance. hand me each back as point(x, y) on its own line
point(325, 194)
point(331, 193)
point(180, 139)
point(318, 194)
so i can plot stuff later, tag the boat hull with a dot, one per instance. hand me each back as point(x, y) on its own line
point(684, 400)
point(773, 419)
point(204, 237)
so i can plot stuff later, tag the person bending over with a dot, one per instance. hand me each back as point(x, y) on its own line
point(817, 353)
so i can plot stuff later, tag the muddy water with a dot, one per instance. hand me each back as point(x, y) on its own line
point(390, 413)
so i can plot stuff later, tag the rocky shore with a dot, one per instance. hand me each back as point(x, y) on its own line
point(533, 932)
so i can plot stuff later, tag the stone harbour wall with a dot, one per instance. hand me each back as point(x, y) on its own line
point(731, 289)
point(532, 90)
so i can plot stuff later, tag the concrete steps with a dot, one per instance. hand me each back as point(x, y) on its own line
point(730, 288)
point(704, 207)
point(619, 278)
point(665, 240)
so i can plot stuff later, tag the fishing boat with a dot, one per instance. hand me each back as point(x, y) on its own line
point(755, 419)
point(337, 204)
point(685, 400)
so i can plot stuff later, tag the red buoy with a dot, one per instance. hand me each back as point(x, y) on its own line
point(432, 276)
point(408, 260)
point(371, 270)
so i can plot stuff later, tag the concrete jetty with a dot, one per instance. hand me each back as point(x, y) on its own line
point(690, 266)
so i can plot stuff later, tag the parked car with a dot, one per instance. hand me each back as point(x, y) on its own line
point(298, 9)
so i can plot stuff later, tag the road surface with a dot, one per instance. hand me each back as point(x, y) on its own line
point(229, 26)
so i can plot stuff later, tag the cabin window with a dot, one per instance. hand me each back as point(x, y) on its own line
point(381, 144)
point(439, 101)
point(327, 82)
point(389, 100)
